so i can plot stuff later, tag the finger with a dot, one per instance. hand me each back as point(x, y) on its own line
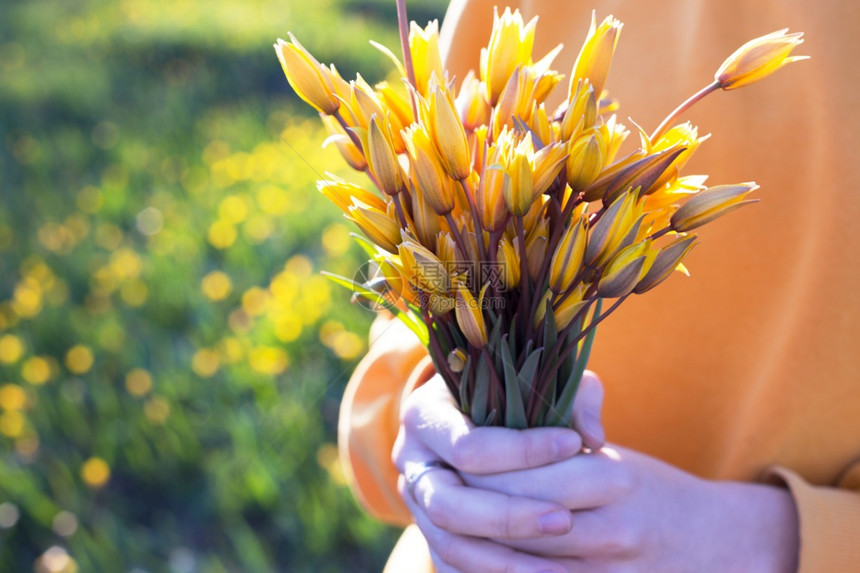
point(449, 505)
point(431, 418)
point(592, 536)
point(587, 407)
point(585, 481)
point(470, 554)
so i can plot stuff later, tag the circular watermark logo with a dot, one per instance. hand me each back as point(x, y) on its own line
point(369, 277)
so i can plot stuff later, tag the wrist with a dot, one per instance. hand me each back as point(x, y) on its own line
point(760, 527)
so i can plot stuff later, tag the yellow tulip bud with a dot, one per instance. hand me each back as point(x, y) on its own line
point(510, 47)
point(427, 172)
point(449, 252)
point(307, 76)
point(758, 59)
point(536, 245)
point(400, 112)
point(596, 54)
point(581, 112)
point(470, 316)
point(616, 229)
point(345, 194)
point(377, 225)
point(540, 311)
point(427, 224)
point(399, 285)
point(625, 270)
point(585, 160)
point(548, 162)
point(457, 360)
point(492, 189)
point(344, 144)
point(423, 268)
point(381, 157)
point(711, 204)
point(426, 61)
point(509, 255)
point(520, 193)
point(665, 263)
point(567, 259)
point(565, 312)
point(448, 135)
point(363, 103)
point(472, 104)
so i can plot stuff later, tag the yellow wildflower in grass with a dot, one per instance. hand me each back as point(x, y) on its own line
point(138, 382)
point(205, 362)
point(95, 472)
point(27, 298)
point(255, 301)
point(12, 397)
point(11, 349)
point(134, 293)
point(79, 359)
point(222, 234)
point(157, 410)
point(37, 370)
point(216, 285)
point(11, 423)
point(268, 360)
point(758, 59)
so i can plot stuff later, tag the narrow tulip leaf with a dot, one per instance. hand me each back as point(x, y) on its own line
point(481, 394)
point(414, 323)
point(366, 245)
point(464, 386)
point(562, 411)
point(515, 410)
point(526, 375)
point(491, 418)
point(512, 336)
point(566, 366)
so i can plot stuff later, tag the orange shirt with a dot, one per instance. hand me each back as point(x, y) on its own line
point(754, 361)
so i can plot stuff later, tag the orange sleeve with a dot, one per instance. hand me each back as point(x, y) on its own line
point(370, 416)
point(829, 521)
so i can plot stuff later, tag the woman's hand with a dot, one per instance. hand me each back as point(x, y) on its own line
point(458, 521)
point(625, 511)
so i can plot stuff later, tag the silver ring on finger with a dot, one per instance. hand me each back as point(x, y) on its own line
point(418, 470)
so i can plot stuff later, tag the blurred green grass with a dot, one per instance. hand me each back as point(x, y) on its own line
point(171, 361)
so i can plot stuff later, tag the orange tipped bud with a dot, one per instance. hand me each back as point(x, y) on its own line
point(758, 59)
point(711, 204)
point(307, 76)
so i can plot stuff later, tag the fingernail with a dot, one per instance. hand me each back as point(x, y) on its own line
point(566, 445)
point(555, 522)
point(592, 427)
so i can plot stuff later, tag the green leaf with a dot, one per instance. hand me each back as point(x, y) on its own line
point(481, 394)
point(515, 410)
point(550, 332)
point(561, 412)
point(415, 323)
point(464, 386)
point(527, 373)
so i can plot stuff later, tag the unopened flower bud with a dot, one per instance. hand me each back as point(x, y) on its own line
point(307, 76)
point(665, 263)
point(470, 316)
point(711, 204)
point(758, 58)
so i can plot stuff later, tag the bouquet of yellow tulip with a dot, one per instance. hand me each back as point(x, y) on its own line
point(502, 225)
